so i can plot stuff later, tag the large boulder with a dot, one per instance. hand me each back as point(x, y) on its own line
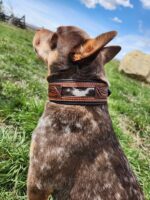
point(136, 64)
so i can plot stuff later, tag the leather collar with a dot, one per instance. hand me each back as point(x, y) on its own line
point(99, 92)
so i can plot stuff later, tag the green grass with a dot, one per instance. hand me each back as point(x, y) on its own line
point(23, 91)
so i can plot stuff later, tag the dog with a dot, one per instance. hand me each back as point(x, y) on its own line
point(74, 153)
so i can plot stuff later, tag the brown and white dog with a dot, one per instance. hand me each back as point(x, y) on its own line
point(74, 153)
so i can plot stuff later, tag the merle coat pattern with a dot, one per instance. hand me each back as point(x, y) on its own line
point(74, 153)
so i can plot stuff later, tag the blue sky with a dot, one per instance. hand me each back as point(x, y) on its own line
point(131, 18)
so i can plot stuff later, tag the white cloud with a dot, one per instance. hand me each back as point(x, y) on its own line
point(108, 4)
point(140, 26)
point(31, 10)
point(41, 14)
point(142, 29)
point(116, 19)
point(146, 3)
point(132, 42)
point(46, 15)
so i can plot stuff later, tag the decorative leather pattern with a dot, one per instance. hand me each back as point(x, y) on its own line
point(101, 92)
point(55, 91)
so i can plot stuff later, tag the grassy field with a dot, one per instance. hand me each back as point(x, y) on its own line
point(23, 91)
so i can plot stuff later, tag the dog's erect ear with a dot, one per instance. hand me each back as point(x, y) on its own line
point(108, 53)
point(91, 46)
point(53, 41)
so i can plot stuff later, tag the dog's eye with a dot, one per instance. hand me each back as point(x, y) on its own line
point(37, 42)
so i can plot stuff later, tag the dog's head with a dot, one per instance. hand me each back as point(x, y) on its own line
point(41, 44)
point(72, 52)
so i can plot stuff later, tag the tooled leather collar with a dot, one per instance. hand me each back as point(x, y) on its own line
point(78, 92)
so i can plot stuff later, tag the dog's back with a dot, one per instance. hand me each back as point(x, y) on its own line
point(75, 152)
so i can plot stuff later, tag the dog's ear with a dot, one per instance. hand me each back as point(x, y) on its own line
point(108, 53)
point(53, 41)
point(91, 46)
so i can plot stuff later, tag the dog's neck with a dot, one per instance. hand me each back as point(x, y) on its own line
point(91, 70)
point(75, 74)
point(77, 91)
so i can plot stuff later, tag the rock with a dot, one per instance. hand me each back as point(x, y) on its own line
point(136, 64)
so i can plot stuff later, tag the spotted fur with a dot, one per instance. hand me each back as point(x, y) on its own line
point(74, 153)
